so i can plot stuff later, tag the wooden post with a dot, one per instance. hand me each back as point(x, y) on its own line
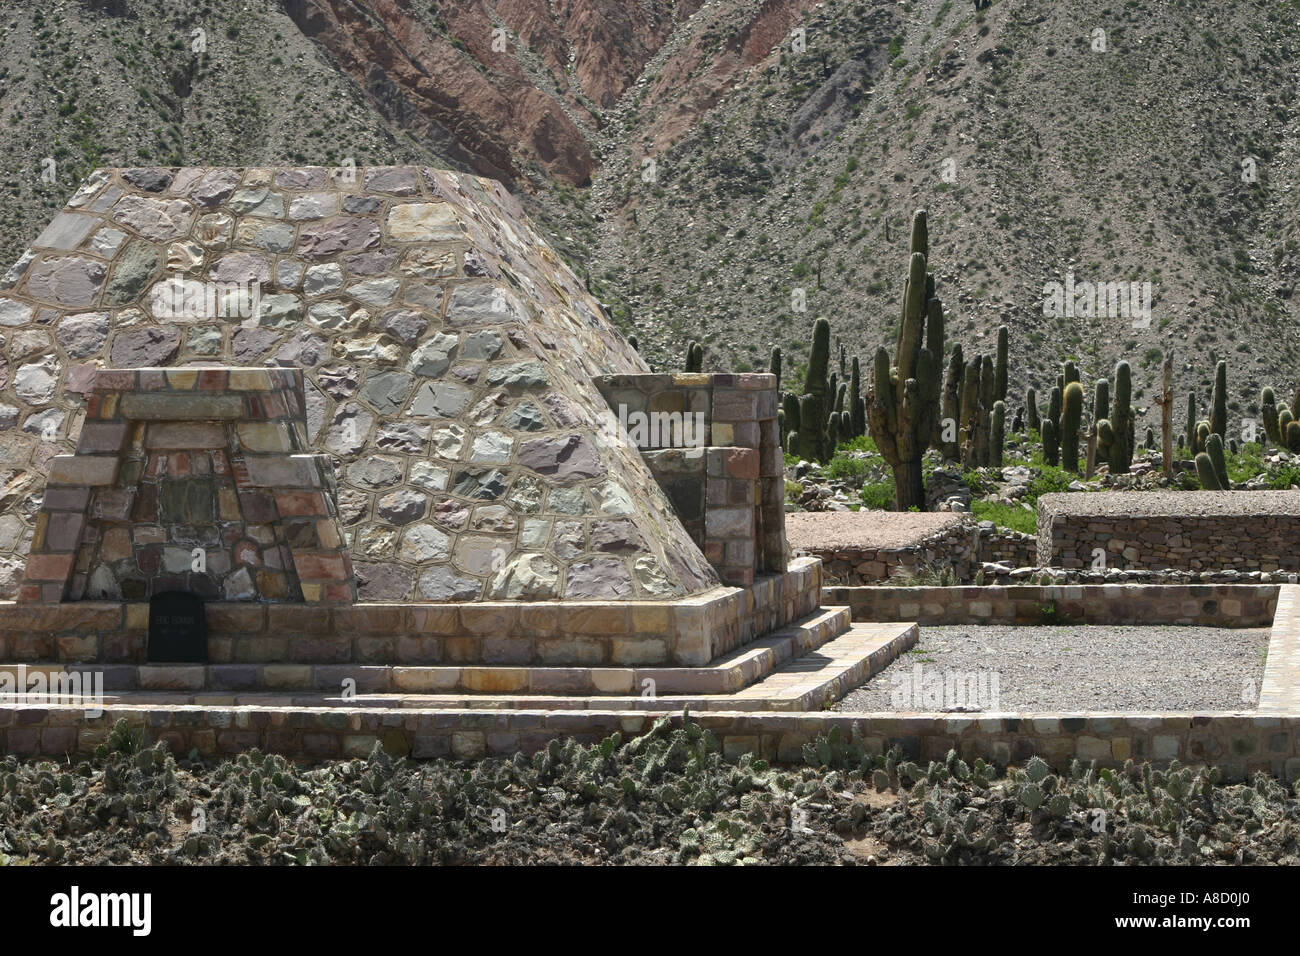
point(1166, 402)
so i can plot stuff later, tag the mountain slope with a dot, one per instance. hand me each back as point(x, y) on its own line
point(699, 162)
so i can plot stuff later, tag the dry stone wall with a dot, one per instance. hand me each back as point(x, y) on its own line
point(449, 359)
point(1155, 530)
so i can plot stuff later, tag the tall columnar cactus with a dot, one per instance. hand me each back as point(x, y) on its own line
point(1031, 405)
point(988, 395)
point(1219, 401)
point(814, 402)
point(694, 356)
point(1070, 373)
point(1100, 418)
point(997, 428)
point(1202, 434)
point(1268, 413)
point(1120, 438)
point(774, 365)
point(1191, 422)
point(1000, 375)
point(946, 435)
point(968, 434)
point(1292, 436)
point(1071, 417)
point(904, 400)
point(1052, 435)
point(1206, 474)
point(1214, 449)
point(811, 434)
point(790, 421)
point(1101, 400)
point(858, 410)
point(1051, 443)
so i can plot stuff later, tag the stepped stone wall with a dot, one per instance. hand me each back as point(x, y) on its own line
point(449, 362)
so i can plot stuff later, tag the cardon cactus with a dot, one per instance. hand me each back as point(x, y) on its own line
point(988, 396)
point(904, 400)
point(1192, 421)
point(947, 438)
point(1101, 400)
point(1214, 450)
point(813, 403)
point(1105, 438)
point(774, 365)
point(857, 410)
point(1121, 421)
point(997, 426)
point(1051, 426)
point(1071, 416)
point(1219, 401)
point(1000, 373)
point(1268, 413)
point(1206, 474)
point(1202, 433)
point(1051, 444)
point(790, 419)
point(969, 423)
point(811, 433)
point(1293, 437)
point(694, 357)
point(1031, 407)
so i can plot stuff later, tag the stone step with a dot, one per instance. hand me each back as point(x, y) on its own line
point(805, 682)
point(729, 673)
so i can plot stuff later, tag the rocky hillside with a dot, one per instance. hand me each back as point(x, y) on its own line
point(701, 162)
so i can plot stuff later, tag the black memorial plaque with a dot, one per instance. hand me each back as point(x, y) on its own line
point(178, 633)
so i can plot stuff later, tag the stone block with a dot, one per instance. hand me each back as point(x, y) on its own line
point(184, 435)
point(171, 406)
point(88, 470)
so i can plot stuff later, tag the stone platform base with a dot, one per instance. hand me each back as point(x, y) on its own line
point(688, 632)
point(727, 674)
point(817, 664)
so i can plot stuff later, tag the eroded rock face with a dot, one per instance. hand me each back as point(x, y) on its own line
point(447, 356)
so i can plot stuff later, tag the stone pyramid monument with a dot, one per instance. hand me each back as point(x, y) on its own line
point(452, 371)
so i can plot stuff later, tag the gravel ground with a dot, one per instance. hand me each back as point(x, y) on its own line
point(864, 529)
point(1097, 668)
point(1171, 503)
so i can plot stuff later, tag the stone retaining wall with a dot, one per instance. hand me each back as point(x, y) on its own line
point(961, 548)
point(688, 632)
point(1198, 530)
point(1206, 605)
point(1239, 743)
